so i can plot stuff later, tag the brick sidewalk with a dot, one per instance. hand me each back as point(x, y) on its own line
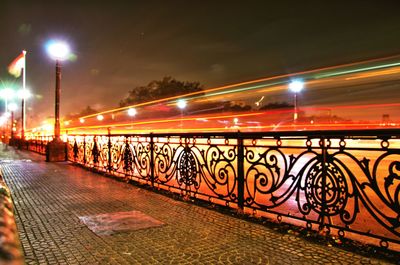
point(49, 197)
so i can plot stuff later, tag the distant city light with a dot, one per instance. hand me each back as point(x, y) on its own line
point(58, 50)
point(12, 106)
point(100, 117)
point(25, 94)
point(296, 86)
point(81, 120)
point(7, 93)
point(181, 103)
point(132, 112)
point(235, 120)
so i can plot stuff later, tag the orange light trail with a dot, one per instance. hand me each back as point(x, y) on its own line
point(241, 84)
point(246, 128)
point(241, 126)
point(167, 120)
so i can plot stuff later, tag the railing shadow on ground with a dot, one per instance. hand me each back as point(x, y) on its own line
point(345, 183)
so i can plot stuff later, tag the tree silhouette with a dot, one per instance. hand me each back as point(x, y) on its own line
point(158, 89)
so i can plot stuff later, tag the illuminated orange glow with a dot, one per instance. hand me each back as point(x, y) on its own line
point(169, 120)
point(241, 84)
point(375, 74)
point(286, 127)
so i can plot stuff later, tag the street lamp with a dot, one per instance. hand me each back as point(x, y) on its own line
point(12, 107)
point(296, 86)
point(181, 104)
point(59, 51)
point(132, 112)
point(7, 94)
point(23, 94)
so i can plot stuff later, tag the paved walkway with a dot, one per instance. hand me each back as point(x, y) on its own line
point(49, 198)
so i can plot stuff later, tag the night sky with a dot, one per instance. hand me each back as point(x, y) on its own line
point(123, 44)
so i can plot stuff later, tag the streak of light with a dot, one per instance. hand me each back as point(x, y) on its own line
point(380, 73)
point(285, 127)
point(356, 70)
point(207, 91)
point(237, 115)
point(168, 120)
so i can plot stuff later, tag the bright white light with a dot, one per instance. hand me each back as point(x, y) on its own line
point(81, 120)
point(48, 127)
point(235, 120)
point(58, 50)
point(66, 123)
point(12, 106)
point(3, 120)
point(65, 138)
point(181, 103)
point(100, 117)
point(25, 94)
point(296, 86)
point(132, 112)
point(7, 93)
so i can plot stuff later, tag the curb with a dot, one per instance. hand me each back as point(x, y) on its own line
point(10, 245)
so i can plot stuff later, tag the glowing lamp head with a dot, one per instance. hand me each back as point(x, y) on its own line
point(181, 103)
point(100, 117)
point(58, 50)
point(81, 120)
point(24, 94)
point(12, 106)
point(132, 112)
point(7, 93)
point(296, 86)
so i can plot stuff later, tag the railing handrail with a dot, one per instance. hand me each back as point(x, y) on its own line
point(375, 133)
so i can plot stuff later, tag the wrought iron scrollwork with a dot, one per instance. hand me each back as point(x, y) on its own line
point(128, 159)
point(323, 180)
point(75, 150)
point(95, 152)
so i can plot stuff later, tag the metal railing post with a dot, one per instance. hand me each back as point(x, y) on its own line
point(323, 184)
point(240, 171)
point(109, 165)
point(84, 149)
point(152, 159)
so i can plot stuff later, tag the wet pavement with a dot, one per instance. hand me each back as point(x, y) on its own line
point(52, 201)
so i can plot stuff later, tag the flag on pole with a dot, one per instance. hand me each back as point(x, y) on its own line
point(15, 67)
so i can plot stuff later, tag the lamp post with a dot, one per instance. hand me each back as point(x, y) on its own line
point(24, 94)
point(12, 107)
point(132, 113)
point(181, 103)
point(59, 51)
point(7, 94)
point(296, 86)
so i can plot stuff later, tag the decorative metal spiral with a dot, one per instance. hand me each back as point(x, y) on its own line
point(326, 191)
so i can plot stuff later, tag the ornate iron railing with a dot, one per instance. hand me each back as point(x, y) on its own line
point(38, 144)
point(347, 183)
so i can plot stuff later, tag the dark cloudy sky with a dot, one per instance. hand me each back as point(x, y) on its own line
point(122, 44)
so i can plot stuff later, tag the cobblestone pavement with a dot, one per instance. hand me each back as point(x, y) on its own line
point(49, 197)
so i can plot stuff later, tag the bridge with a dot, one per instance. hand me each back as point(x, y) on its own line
point(292, 167)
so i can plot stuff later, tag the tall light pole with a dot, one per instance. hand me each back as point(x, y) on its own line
point(58, 51)
point(7, 94)
point(12, 107)
point(296, 86)
point(181, 104)
point(56, 150)
point(24, 94)
point(132, 113)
